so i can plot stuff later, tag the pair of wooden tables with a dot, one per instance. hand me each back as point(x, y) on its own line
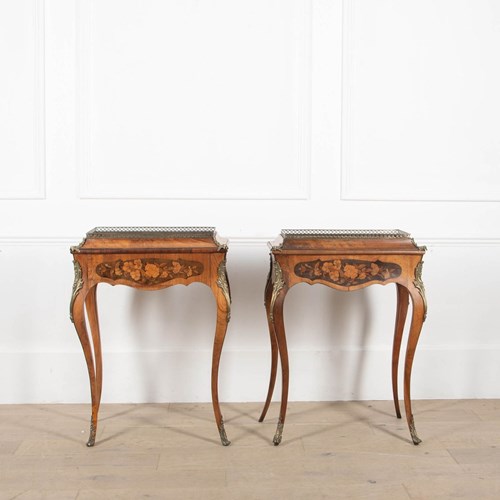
point(154, 258)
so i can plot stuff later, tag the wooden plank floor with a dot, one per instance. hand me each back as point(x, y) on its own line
point(329, 450)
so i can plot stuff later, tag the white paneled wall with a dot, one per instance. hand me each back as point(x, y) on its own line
point(22, 99)
point(423, 128)
point(212, 103)
point(250, 116)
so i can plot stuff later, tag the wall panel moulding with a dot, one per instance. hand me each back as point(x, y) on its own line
point(420, 113)
point(22, 100)
point(156, 122)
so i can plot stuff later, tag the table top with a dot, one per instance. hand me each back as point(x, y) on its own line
point(338, 241)
point(151, 239)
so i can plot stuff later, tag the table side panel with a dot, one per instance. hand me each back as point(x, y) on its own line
point(348, 271)
point(151, 271)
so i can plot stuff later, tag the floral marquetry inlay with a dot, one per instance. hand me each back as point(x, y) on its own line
point(347, 272)
point(149, 271)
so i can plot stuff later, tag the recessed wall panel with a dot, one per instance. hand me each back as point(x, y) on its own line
point(194, 99)
point(421, 101)
point(21, 99)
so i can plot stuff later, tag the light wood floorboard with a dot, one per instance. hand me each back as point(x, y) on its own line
point(329, 450)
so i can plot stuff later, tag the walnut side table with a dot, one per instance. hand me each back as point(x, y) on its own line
point(147, 258)
point(346, 260)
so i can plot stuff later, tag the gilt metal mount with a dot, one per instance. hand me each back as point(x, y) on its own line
point(419, 285)
point(77, 286)
point(279, 433)
point(223, 284)
point(278, 284)
point(223, 436)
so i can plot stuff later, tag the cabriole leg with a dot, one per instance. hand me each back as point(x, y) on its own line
point(77, 315)
point(401, 312)
point(223, 299)
point(277, 324)
point(279, 327)
point(415, 329)
point(91, 305)
point(274, 345)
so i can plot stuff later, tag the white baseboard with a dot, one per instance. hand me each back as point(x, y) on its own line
point(184, 376)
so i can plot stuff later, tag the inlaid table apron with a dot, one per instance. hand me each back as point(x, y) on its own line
point(149, 258)
point(346, 260)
